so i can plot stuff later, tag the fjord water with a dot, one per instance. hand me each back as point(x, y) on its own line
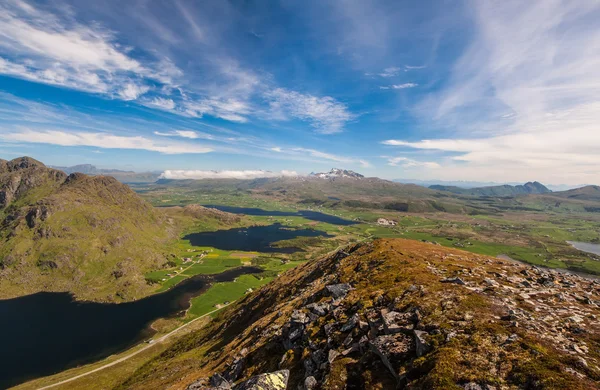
point(586, 247)
point(45, 333)
point(253, 238)
point(308, 214)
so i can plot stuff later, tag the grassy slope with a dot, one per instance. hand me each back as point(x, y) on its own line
point(97, 242)
point(383, 271)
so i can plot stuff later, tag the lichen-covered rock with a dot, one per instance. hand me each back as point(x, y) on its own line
point(272, 381)
point(338, 290)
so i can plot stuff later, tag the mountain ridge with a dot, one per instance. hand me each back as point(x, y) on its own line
point(90, 235)
point(500, 190)
point(394, 313)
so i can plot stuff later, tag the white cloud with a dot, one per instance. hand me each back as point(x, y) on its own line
point(162, 103)
point(229, 109)
point(101, 140)
point(322, 155)
point(409, 67)
point(522, 102)
point(241, 175)
point(185, 134)
point(325, 114)
point(399, 86)
point(390, 72)
point(54, 48)
point(406, 162)
point(132, 91)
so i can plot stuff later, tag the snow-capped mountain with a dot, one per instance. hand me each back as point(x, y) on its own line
point(336, 172)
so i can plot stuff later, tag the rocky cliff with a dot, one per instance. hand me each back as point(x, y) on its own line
point(92, 236)
point(396, 314)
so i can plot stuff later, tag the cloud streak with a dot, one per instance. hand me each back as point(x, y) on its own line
point(101, 140)
point(240, 175)
point(523, 96)
point(325, 114)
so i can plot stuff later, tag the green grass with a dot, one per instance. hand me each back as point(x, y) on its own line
point(220, 293)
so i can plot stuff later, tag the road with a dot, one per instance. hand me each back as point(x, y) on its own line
point(158, 340)
point(120, 360)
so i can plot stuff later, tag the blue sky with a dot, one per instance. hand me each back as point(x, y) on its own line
point(457, 90)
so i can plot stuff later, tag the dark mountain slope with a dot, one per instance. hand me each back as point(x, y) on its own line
point(396, 314)
point(591, 193)
point(90, 235)
point(502, 190)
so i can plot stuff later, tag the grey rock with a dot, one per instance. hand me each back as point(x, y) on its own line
point(310, 383)
point(351, 323)
point(309, 367)
point(318, 357)
point(329, 328)
point(338, 290)
point(235, 370)
point(421, 345)
point(333, 354)
point(394, 322)
point(295, 334)
point(472, 386)
point(299, 317)
point(321, 309)
point(391, 348)
point(455, 280)
point(272, 381)
point(217, 382)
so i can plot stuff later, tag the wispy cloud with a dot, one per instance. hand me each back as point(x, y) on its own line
point(101, 140)
point(320, 156)
point(325, 114)
point(406, 162)
point(186, 134)
point(159, 102)
point(399, 86)
point(522, 100)
point(229, 109)
point(390, 72)
point(56, 49)
point(240, 175)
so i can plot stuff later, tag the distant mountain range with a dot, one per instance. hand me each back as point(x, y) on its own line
point(501, 190)
point(120, 175)
point(476, 184)
point(336, 172)
point(88, 169)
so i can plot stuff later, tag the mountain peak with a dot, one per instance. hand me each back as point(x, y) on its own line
point(337, 172)
point(21, 163)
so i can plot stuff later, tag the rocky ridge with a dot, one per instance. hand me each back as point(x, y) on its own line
point(398, 314)
point(337, 173)
point(89, 235)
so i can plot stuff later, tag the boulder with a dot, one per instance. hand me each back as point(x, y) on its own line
point(320, 309)
point(453, 280)
point(392, 349)
point(338, 291)
point(310, 383)
point(351, 323)
point(421, 345)
point(271, 381)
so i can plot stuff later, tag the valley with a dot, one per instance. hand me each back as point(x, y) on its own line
point(260, 229)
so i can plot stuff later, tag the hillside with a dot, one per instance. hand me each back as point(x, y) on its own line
point(500, 190)
point(89, 235)
point(122, 176)
point(396, 314)
point(338, 191)
point(591, 193)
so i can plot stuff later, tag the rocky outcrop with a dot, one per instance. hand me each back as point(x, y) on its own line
point(22, 175)
point(404, 314)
